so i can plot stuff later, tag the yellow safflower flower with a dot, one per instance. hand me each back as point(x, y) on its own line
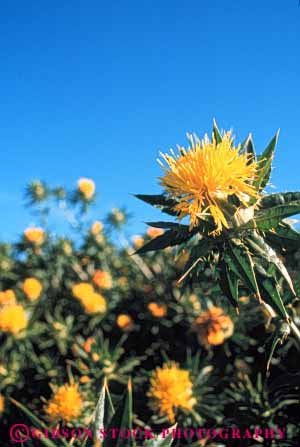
point(94, 303)
point(213, 327)
point(32, 288)
point(154, 232)
point(13, 318)
point(82, 289)
point(35, 235)
point(87, 187)
point(85, 379)
point(124, 322)
point(138, 241)
point(202, 178)
point(66, 404)
point(97, 227)
point(171, 389)
point(102, 279)
point(7, 297)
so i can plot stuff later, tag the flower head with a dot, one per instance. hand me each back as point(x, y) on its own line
point(157, 310)
point(13, 318)
point(213, 327)
point(138, 241)
point(124, 322)
point(34, 235)
point(7, 297)
point(202, 178)
point(94, 303)
point(171, 389)
point(82, 289)
point(97, 227)
point(32, 288)
point(65, 404)
point(1, 404)
point(86, 187)
point(102, 279)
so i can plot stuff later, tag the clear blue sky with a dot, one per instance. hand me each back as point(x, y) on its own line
point(96, 88)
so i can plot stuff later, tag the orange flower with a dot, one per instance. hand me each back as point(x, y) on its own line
point(34, 235)
point(88, 344)
point(85, 379)
point(124, 322)
point(82, 289)
point(157, 310)
point(213, 327)
point(154, 232)
point(7, 297)
point(1, 403)
point(87, 187)
point(94, 303)
point(32, 288)
point(102, 279)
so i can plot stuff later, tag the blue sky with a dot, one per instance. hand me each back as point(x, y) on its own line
point(97, 88)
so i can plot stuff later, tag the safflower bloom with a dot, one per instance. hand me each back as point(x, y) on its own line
point(213, 327)
point(82, 290)
point(65, 404)
point(171, 389)
point(157, 310)
point(13, 319)
point(7, 297)
point(94, 303)
point(87, 187)
point(35, 235)
point(87, 346)
point(32, 288)
point(154, 232)
point(124, 322)
point(138, 241)
point(202, 178)
point(102, 279)
point(97, 227)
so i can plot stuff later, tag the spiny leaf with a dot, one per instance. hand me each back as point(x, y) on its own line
point(166, 225)
point(269, 218)
point(169, 239)
point(245, 262)
point(161, 440)
point(247, 147)
point(265, 164)
point(272, 296)
point(278, 199)
point(216, 133)
point(229, 284)
point(160, 201)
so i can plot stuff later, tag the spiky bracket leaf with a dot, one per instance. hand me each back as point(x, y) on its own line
point(265, 165)
point(229, 283)
point(160, 201)
point(216, 133)
point(247, 147)
point(165, 439)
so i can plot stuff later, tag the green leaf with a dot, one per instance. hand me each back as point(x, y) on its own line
point(272, 296)
point(166, 225)
point(267, 253)
point(229, 284)
point(169, 239)
point(247, 147)
point(122, 419)
point(216, 133)
point(278, 199)
point(245, 263)
point(265, 164)
point(160, 201)
point(197, 253)
point(269, 218)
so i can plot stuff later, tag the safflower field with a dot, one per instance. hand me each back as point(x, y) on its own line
point(195, 322)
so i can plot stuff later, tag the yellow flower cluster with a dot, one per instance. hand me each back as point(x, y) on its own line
point(32, 288)
point(213, 327)
point(171, 389)
point(102, 279)
point(86, 187)
point(35, 235)
point(91, 301)
point(65, 404)
point(97, 227)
